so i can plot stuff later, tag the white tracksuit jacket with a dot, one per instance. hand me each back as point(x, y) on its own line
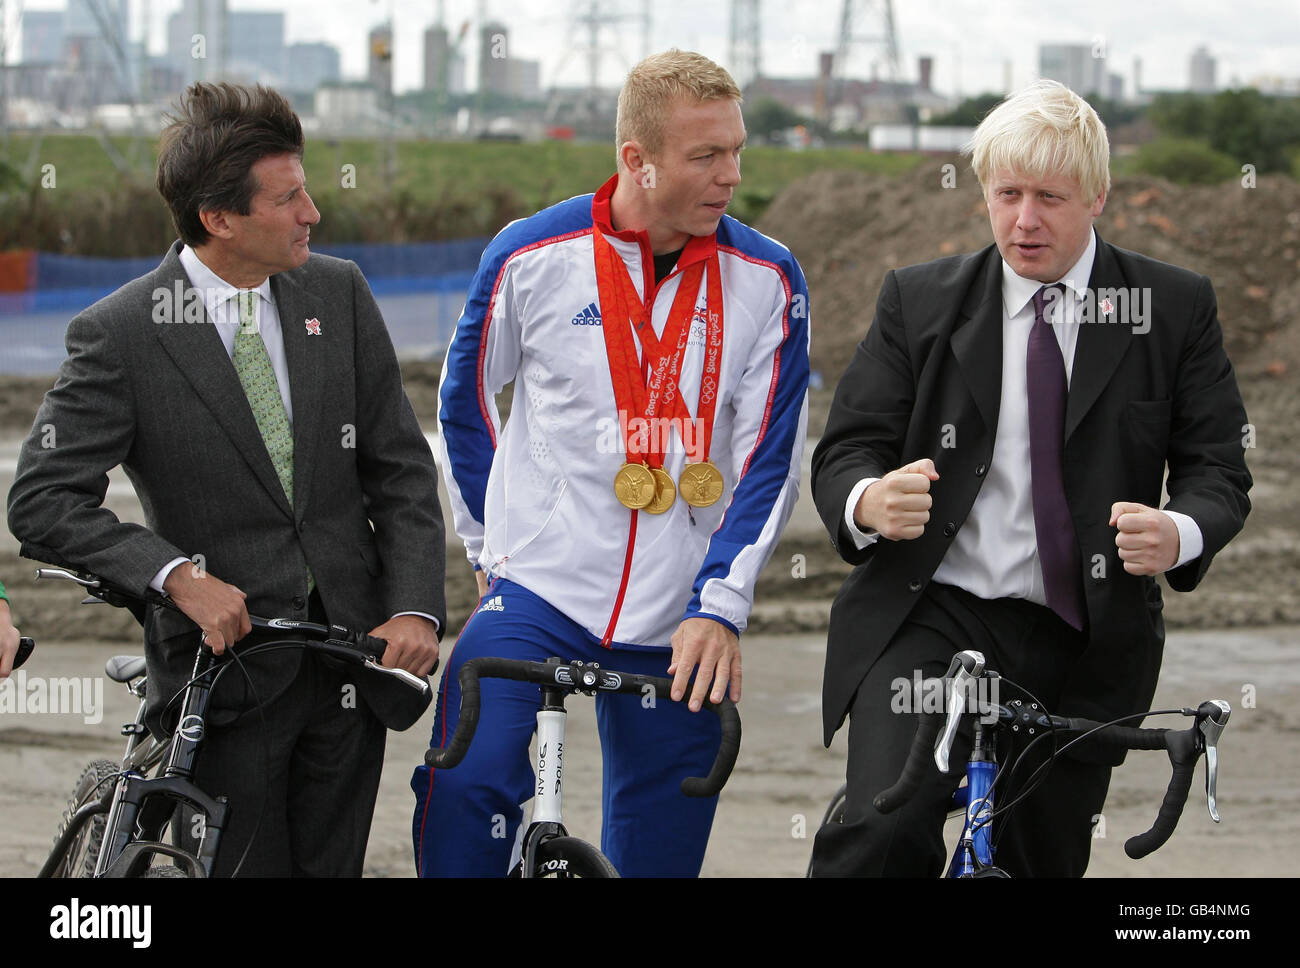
point(535, 502)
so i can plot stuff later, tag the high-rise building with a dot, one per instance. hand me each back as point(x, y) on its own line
point(1075, 66)
point(493, 53)
point(1201, 69)
point(196, 40)
point(42, 36)
point(308, 66)
point(256, 51)
point(439, 57)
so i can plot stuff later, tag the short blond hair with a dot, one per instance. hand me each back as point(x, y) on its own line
point(1043, 129)
point(655, 84)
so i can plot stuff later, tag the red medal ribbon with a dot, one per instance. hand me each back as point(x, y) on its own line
point(648, 387)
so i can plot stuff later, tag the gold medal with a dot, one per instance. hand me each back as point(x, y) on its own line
point(665, 493)
point(634, 486)
point(701, 484)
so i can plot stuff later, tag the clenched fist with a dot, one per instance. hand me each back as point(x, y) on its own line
point(898, 505)
point(1147, 539)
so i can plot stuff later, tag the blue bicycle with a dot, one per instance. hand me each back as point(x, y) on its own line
point(974, 853)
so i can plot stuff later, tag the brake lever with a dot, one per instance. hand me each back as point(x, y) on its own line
point(1211, 718)
point(965, 668)
point(408, 678)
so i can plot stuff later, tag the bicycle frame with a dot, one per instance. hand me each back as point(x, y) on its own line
point(139, 806)
point(974, 849)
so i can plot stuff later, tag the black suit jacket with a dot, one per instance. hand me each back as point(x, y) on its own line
point(930, 368)
point(145, 388)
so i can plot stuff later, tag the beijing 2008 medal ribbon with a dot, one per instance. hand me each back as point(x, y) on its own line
point(701, 482)
point(642, 388)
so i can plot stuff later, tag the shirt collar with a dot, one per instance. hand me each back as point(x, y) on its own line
point(217, 293)
point(1017, 291)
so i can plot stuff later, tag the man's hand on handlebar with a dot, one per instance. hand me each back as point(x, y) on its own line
point(217, 608)
point(412, 643)
point(716, 650)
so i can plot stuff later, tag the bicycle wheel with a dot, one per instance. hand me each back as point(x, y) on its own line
point(83, 852)
point(570, 857)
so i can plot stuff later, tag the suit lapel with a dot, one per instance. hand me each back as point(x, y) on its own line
point(199, 354)
point(977, 342)
point(306, 357)
point(1100, 347)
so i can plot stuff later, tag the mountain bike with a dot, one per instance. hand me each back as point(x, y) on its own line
point(119, 814)
point(974, 854)
point(548, 850)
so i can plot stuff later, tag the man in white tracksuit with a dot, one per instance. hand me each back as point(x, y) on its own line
point(659, 354)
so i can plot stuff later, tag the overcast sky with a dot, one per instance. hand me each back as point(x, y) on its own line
point(971, 41)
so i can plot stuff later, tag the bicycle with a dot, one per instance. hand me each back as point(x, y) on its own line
point(974, 852)
point(119, 813)
point(548, 850)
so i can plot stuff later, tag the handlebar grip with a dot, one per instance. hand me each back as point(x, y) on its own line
point(728, 749)
point(373, 645)
point(916, 768)
point(444, 758)
point(1183, 754)
point(25, 648)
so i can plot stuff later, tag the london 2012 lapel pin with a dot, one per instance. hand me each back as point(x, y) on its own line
point(1107, 308)
point(313, 327)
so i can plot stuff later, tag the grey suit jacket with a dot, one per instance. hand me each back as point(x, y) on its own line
point(146, 389)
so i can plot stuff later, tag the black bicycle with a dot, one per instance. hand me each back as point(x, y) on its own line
point(119, 814)
point(548, 850)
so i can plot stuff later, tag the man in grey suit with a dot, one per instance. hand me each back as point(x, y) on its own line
point(251, 393)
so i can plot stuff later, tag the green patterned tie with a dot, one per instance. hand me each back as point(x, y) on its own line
point(257, 376)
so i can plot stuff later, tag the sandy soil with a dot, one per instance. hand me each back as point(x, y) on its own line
point(770, 809)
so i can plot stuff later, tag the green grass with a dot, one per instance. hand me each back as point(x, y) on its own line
point(439, 189)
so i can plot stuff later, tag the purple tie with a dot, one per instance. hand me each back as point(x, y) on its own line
point(1058, 550)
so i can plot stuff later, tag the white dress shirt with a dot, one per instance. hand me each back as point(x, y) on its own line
point(995, 553)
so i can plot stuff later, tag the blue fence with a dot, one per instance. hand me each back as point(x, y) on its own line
point(420, 288)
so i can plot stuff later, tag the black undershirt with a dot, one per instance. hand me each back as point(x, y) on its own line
point(664, 264)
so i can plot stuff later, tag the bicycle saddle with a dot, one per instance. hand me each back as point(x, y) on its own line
point(124, 668)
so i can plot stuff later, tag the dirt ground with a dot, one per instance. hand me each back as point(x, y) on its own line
point(773, 804)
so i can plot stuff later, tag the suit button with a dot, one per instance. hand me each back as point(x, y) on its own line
point(980, 469)
point(298, 603)
point(949, 529)
point(302, 526)
point(914, 585)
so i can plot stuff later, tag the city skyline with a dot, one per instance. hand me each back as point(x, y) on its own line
point(1253, 39)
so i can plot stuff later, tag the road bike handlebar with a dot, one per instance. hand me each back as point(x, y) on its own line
point(590, 679)
point(1183, 746)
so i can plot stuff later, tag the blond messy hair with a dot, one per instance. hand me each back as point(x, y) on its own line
point(1044, 129)
point(655, 84)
